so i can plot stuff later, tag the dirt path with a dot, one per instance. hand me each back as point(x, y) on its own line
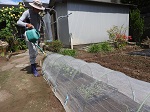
point(20, 91)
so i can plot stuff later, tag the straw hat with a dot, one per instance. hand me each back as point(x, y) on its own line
point(37, 4)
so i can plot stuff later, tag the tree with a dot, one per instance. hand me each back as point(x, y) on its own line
point(136, 25)
point(139, 3)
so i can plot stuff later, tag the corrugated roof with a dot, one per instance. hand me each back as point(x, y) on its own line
point(117, 2)
point(107, 1)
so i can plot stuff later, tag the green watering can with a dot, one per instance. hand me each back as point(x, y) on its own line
point(33, 35)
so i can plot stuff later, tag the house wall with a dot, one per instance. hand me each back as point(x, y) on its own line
point(89, 23)
point(62, 24)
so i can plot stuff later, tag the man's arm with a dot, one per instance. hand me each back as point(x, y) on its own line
point(21, 21)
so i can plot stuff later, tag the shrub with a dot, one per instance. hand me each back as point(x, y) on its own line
point(10, 31)
point(69, 52)
point(136, 25)
point(5, 34)
point(105, 47)
point(100, 47)
point(54, 46)
point(118, 37)
point(94, 48)
point(21, 44)
point(11, 16)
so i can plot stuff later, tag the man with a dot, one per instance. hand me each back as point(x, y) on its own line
point(31, 19)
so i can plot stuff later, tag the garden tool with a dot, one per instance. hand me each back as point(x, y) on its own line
point(33, 35)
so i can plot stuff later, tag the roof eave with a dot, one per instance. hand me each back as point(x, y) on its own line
point(52, 2)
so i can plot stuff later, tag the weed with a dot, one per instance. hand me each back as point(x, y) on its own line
point(94, 48)
point(69, 52)
point(100, 47)
point(105, 46)
point(54, 46)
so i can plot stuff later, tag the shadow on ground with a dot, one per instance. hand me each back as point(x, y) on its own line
point(145, 52)
point(27, 69)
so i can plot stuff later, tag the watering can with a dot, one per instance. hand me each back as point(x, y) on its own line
point(33, 35)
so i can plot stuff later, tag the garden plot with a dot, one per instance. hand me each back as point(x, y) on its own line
point(81, 87)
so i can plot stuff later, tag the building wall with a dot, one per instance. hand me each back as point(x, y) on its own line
point(89, 23)
point(62, 24)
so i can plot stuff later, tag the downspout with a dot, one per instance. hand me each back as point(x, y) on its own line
point(51, 9)
point(55, 23)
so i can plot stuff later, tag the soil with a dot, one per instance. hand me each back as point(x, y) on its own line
point(131, 60)
point(20, 91)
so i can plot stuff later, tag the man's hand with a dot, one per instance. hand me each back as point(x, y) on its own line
point(29, 26)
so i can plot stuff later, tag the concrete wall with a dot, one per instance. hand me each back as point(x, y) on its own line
point(62, 24)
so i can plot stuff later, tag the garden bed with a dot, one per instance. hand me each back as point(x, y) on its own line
point(131, 60)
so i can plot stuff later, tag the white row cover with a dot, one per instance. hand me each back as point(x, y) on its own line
point(90, 87)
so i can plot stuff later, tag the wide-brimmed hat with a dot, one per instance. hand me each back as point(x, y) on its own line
point(37, 4)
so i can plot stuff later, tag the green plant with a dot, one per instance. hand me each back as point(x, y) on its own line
point(94, 48)
point(118, 37)
point(105, 46)
point(14, 44)
point(5, 34)
point(11, 16)
point(69, 52)
point(21, 44)
point(100, 47)
point(54, 46)
point(136, 25)
point(94, 90)
point(9, 33)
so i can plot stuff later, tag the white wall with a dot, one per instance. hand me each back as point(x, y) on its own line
point(89, 23)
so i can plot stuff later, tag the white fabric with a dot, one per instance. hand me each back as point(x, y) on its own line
point(90, 87)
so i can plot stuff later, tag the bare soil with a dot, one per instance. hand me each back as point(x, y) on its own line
point(131, 60)
point(20, 91)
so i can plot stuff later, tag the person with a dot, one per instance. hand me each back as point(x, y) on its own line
point(31, 19)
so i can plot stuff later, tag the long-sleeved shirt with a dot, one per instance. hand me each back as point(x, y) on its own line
point(33, 17)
